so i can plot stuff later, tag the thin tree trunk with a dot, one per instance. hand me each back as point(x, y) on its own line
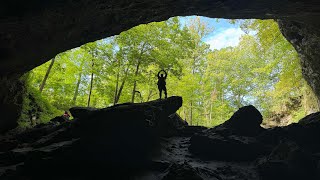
point(149, 95)
point(91, 84)
point(136, 73)
point(191, 113)
point(207, 114)
point(120, 91)
point(304, 102)
point(76, 92)
point(46, 76)
point(122, 85)
point(239, 100)
point(117, 84)
point(222, 100)
point(193, 72)
point(210, 111)
point(135, 82)
point(150, 89)
point(116, 90)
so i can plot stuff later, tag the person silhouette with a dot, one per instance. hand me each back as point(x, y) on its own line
point(162, 83)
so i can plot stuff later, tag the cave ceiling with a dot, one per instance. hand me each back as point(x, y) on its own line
point(33, 32)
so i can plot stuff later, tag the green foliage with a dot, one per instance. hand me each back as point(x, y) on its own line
point(262, 70)
point(282, 88)
point(35, 108)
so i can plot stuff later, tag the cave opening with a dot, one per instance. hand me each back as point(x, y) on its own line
point(149, 140)
point(216, 65)
point(41, 30)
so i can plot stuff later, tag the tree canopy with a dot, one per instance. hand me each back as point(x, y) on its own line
point(262, 70)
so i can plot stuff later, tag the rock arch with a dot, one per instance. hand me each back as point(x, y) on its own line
point(32, 32)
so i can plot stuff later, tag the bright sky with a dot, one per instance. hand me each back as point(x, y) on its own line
point(224, 34)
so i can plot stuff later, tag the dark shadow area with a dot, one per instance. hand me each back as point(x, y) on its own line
point(150, 141)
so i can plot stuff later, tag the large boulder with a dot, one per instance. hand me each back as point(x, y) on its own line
point(233, 140)
point(312, 119)
point(246, 121)
point(82, 112)
point(306, 133)
point(124, 134)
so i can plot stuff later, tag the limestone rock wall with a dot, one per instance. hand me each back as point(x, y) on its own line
point(11, 90)
point(306, 40)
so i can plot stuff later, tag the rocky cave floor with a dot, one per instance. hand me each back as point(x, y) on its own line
point(181, 164)
point(150, 141)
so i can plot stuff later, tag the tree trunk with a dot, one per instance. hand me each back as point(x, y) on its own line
point(122, 85)
point(46, 76)
point(117, 84)
point(76, 92)
point(149, 95)
point(91, 84)
point(116, 90)
point(135, 82)
point(191, 113)
point(238, 97)
point(136, 73)
point(120, 90)
point(210, 111)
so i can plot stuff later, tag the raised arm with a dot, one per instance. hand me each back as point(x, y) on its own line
point(159, 74)
point(165, 74)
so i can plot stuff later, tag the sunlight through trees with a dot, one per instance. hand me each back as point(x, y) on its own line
point(262, 70)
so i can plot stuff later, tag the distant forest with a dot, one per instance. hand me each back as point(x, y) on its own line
point(262, 70)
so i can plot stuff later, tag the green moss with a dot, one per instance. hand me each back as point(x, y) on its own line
point(298, 115)
point(35, 109)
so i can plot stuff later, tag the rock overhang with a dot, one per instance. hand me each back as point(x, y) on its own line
point(35, 31)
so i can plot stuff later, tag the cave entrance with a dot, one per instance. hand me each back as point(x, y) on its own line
point(216, 65)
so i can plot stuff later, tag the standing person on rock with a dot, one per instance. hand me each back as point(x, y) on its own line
point(162, 82)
